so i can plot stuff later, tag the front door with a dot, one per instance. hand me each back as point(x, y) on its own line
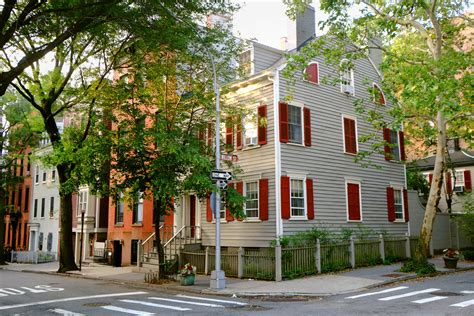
point(192, 213)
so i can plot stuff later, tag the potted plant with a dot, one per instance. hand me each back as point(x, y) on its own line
point(188, 273)
point(450, 257)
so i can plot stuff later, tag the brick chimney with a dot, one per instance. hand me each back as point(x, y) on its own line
point(303, 28)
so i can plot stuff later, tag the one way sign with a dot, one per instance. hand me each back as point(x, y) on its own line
point(221, 175)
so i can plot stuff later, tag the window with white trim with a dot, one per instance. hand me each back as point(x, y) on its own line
point(250, 130)
point(297, 199)
point(347, 77)
point(311, 73)
point(222, 209)
point(458, 181)
point(81, 202)
point(398, 203)
point(37, 176)
point(251, 203)
point(119, 208)
point(377, 94)
point(138, 209)
point(53, 175)
point(44, 176)
point(395, 145)
point(295, 124)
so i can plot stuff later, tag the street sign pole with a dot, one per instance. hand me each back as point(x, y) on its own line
point(217, 276)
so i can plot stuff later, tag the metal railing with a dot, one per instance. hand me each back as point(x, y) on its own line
point(33, 256)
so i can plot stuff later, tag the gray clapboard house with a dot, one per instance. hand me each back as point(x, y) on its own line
point(297, 156)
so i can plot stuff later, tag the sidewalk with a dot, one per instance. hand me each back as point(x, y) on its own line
point(318, 285)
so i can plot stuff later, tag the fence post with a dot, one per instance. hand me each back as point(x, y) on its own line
point(407, 246)
point(352, 252)
point(318, 255)
point(206, 262)
point(240, 263)
point(278, 277)
point(382, 247)
point(139, 253)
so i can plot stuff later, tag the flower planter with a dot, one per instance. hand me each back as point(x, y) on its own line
point(450, 263)
point(187, 279)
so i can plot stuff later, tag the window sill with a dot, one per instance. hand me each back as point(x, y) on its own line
point(252, 220)
point(118, 225)
point(350, 154)
point(298, 218)
point(399, 221)
point(137, 225)
point(223, 221)
point(295, 144)
point(251, 147)
point(354, 221)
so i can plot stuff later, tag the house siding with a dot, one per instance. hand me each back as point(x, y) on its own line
point(264, 57)
point(256, 162)
point(327, 164)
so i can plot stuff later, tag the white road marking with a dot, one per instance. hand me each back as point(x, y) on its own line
point(210, 299)
point(467, 292)
point(156, 305)
point(64, 312)
point(429, 299)
point(389, 298)
point(126, 310)
point(464, 304)
point(184, 302)
point(69, 299)
point(380, 292)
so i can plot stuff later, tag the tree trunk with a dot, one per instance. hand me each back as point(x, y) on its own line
point(66, 252)
point(157, 209)
point(435, 191)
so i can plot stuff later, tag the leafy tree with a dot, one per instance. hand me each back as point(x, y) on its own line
point(426, 71)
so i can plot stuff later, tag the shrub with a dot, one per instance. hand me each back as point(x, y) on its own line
point(421, 268)
point(468, 254)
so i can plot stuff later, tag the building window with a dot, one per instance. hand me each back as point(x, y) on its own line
point(138, 209)
point(49, 242)
point(251, 203)
point(394, 145)
point(51, 208)
point(297, 204)
point(377, 94)
point(27, 199)
point(40, 242)
point(458, 181)
point(44, 176)
point(35, 209)
point(398, 203)
point(350, 135)
point(250, 131)
point(295, 134)
point(353, 201)
point(311, 73)
point(37, 174)
point(119, 208)
point(20, 198)
point(222, 209)
point(53, 175)
point(81, 201)
point(43, 206)
point(347, 77)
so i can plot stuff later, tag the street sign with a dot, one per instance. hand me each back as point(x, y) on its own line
point(228, 157)
point(217, 175)
point(222, 185)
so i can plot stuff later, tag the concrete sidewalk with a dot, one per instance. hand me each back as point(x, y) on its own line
point(318, 285)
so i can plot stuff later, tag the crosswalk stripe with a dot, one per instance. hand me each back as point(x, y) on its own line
point(128, 311)
point(380, 292)
point(64, 312)
point(182, 309)
point(430, 299)
point(389, 298)
point(464, 304)
point(467, 292)
point(210, 299)
point(184, 302)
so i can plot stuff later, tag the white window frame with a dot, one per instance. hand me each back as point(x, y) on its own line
point(254, 118)
point(37, 173)
point(45, 176)
point(301, 107)
point(120, 204)
point(82, 201)
point(375, 86)
point(347, 201)
point(53, 175)
point(402, 198)
point(344, 134)
point(305, 210)
point(343, 75)
point(392, 148)
point(317, 68)
point(139, 206)
point(258, 199)
point(456, 183)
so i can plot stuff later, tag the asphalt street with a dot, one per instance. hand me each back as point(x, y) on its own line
point(24, 293)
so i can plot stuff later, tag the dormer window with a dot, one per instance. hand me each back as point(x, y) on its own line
point(377, 93)
point(311, 73)
point(347, 77)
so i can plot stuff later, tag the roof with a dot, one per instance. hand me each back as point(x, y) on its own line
point(459, 158)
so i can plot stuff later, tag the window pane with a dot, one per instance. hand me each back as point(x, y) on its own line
point(251, 204)
point(297, 198)
point(398, 202)
point(294, 124)
point(394, 142)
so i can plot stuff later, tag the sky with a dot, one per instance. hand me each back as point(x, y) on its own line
point(264, 20)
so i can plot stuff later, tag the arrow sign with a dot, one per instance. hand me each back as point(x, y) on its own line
point(217, 175)
point(222, 185)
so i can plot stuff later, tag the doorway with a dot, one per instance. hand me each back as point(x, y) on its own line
point(192, 214)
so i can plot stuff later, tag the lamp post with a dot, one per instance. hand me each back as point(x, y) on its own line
point(83, 211)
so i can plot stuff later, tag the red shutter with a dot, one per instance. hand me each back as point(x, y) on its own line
point(283, 107)
point(262, 125)
point(228, 215)
point(240, 188)
point(208, 208)
point(401, 144)
point(449, 187)
point(209, 134)
point(350, 136)
point(263, 199)
point(229, 134)
point(467, 180)
point(390, 204)
point(405, 205)
point(430, 178)
point(285, 197)
point(239, 135)
point(353, 199)
point(387, 149)
point(307, 126)
point(309, 195)
point(312, 73)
